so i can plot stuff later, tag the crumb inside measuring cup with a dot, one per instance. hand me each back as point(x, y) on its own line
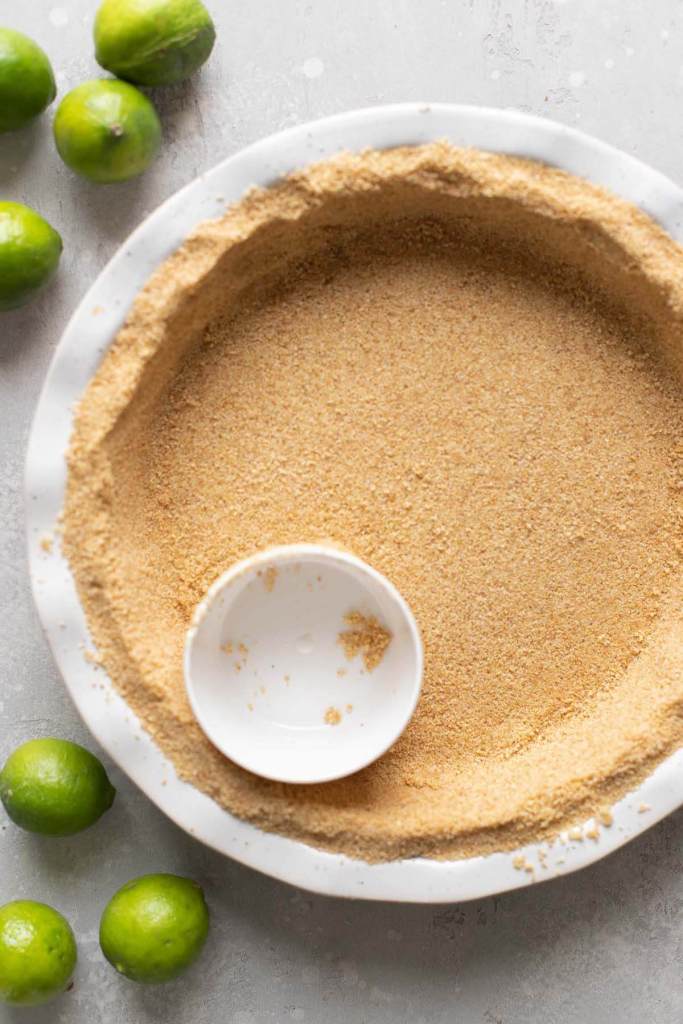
point(365, 636)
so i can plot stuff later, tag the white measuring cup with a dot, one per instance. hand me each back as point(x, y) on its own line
point(267, 672)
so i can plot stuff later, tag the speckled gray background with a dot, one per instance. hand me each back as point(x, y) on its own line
point(600, 947)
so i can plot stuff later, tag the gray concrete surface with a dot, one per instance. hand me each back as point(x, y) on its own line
point(598, 947)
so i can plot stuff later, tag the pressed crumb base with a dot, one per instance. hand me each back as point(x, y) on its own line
point(474, 396)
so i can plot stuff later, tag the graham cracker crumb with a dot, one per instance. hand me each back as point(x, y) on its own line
point(367, 637)
point(46, 543)
point(332, 716)
point(475, 387)
point(269, 578)
point(520, 863)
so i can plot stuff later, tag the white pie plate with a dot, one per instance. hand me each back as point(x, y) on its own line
point(86, 338)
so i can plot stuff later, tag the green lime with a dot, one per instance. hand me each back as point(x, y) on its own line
point(37, 953)
point(29, 253)
point(27, 85)
point(154, 927)
point(54, 787)
point(153, 42)
point(107, 131)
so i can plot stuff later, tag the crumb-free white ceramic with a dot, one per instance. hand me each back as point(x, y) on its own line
point(266, 671)
point(87, 337)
